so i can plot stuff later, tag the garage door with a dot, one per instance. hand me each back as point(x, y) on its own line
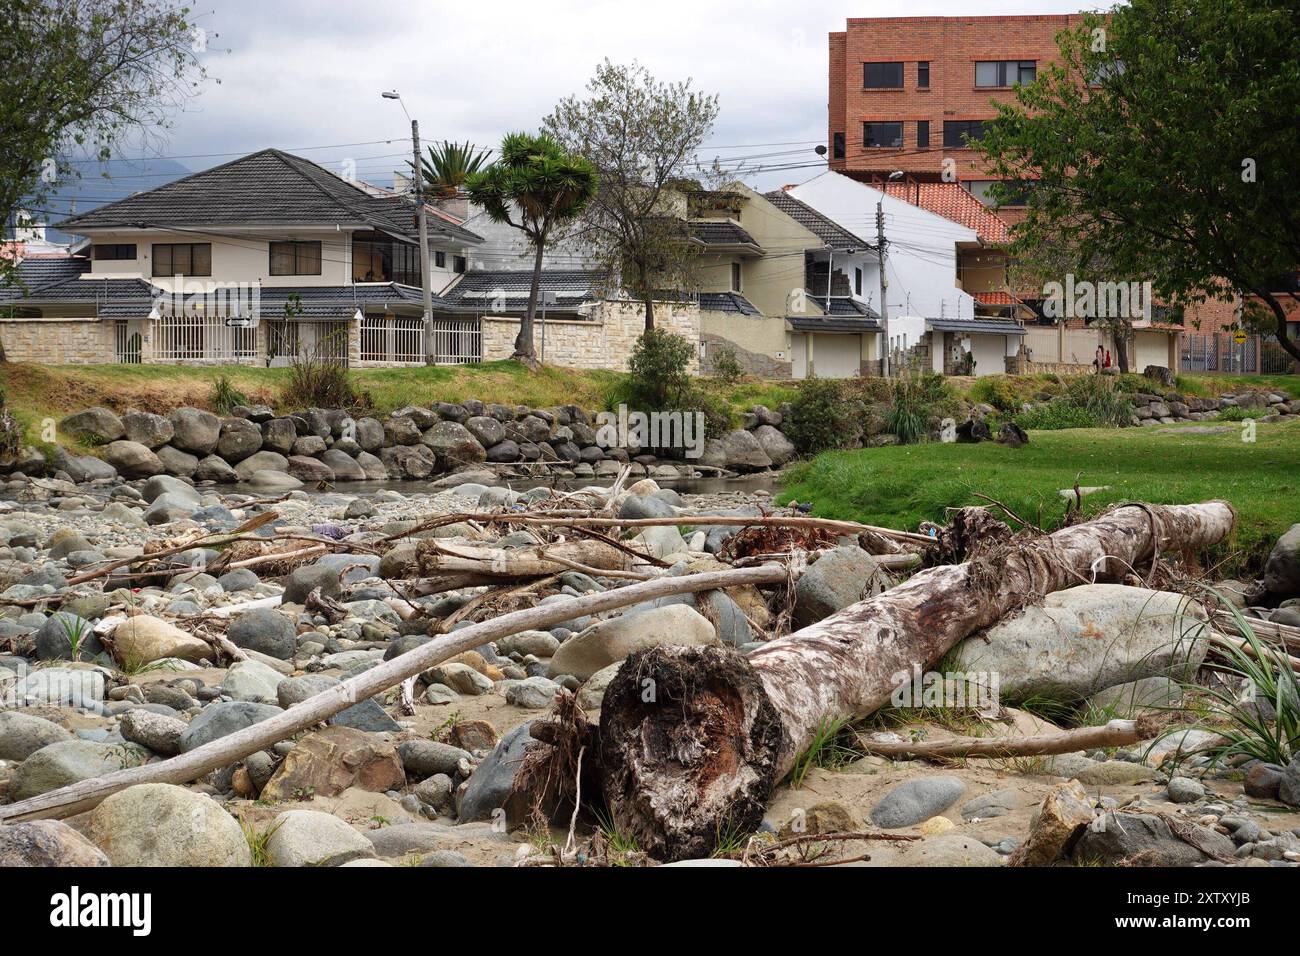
point(837, 356)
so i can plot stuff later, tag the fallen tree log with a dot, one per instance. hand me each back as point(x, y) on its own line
point(1115, 733)
point(701, 755)
point(86, 794)
point(449, 566)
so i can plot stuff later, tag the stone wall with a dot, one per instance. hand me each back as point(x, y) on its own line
point(57, 341)
point(754, 363)
point(604, 341)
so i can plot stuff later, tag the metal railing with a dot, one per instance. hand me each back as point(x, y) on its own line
point(1221, 352)
point(392, 340)
point(320, 340)
point(202, 338)
point(126, 344)
point(457, 341)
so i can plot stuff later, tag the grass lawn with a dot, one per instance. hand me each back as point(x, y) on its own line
point(903, 485)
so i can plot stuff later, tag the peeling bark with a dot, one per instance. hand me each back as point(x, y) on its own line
point(681, 772)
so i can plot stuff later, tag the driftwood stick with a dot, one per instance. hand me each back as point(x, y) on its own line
point(1277, 655)
point(723, 729)
point(82, 796)
point(1116, 733)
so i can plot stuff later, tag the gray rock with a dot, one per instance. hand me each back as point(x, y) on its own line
point(645, 506)
point(425, 758)
point(47, 843)
point(950, 849)
point(488, 431)
point(239, 439)
point(97, 424)
point(160, 824)
point(240, 579)
point(1185, 790)
point(302, 581)
point(1129, 699)
point(533, 693)
point(65, 637)
point(264, 630)
point(778, 448)
point(1282, 570)
point(278, 435)
point(454, 445)
point(83, 468)
point(251, 680)
point(194, 430)
point(261, 461)
point(916, 801)
point(988, 805)
point(1288, 789)
point(156, 732)
point(21, 735)
point(133, 459)
point(224, 717)
point(608, 642)
point(488, 788)
point(343, 465)
point(835, 580)
point(70, 761)
point(152, 431)
point(1145, 839)
point(1088, 638)
point(744, 452)
point(435, 792)
point(214, 468)
point(312, 838)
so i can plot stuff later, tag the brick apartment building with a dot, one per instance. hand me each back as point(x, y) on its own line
point(908, 92)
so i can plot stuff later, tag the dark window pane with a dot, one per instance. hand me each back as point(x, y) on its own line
point(922, 134)
point(923, 74)
point(440, 260)
point(987, 73)
point(201, 259)
point(162, 260)
point(882, 134)
point(308, 258)
point(461, 263)
point(957, 132)
point(282, 259)
point(1028, 71)
point(181, 261)
point(837, 146)
point(114, 251)
point(882, 76)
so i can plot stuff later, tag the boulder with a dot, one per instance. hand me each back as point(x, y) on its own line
point(215, 468)
point(369, 434)
point(950, 849)
point(778, 448)
point(312, 838)
point(65, 636)
point(489, 786)
point(266, 631)
point(1088, 638)
point(194, 430)
point(309, 470)
point(261, 461)
point(251, 680)
point(1282, 570)
point(97, 425)
point(329, 761)
point(1146, 839)
point(239, 439)
point(269, 482)
point(133, 459)
point(83, 468)
point(425, 758)
point(157, 732)
point(409, 461)
point(278, 435)
point(608, 642)
point(743, 452)
point(1059, 821)
point(144, 639)
point(454, 445)
point(916, 800)
point(21, 735)
point(343, 465)
point(835, 580)
point(160, 824)
point(155, 488)
point(487, 431)
point(47, 843)
point(222, 718)
point(71, 761)
point(152, 431)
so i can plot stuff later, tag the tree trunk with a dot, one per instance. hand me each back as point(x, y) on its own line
point(1283, 338)
point(694, 740)
point(447, 567)
point(525, 351)
point(649, 311)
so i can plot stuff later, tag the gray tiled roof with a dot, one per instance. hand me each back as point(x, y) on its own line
point(265, 188)
point(36, 273)
point(827, 230)
point(720, 232)
point(726, 302)
point(990, 326)
point(804, 323)
point(849, 307)
point(476, 291)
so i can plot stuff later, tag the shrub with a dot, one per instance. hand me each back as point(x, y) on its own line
point(913, 405)
point(225, 396)
point(658, 371)
point(1089, 401)
point(821, 417)
point(998, 391)
point(1235, 413)
point(1055, 415)
point(726, 367)
point(319, 379)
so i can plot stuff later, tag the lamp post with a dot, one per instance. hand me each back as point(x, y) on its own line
point(418, 182)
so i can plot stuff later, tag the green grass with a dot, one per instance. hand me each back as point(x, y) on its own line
point(900, 486)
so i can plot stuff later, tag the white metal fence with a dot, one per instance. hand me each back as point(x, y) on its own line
point(320, 340)
point(126, 343)
point(457, 341)
point(203, 338)
point(1221, 352)
point(392, 340)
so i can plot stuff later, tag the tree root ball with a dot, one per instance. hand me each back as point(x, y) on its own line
point(689, 746)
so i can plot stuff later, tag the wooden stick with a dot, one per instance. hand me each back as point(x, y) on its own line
point(86, 794)
point(1116, 733)
point(1279, 654)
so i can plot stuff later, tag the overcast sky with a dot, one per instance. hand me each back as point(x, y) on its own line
point(297, 74)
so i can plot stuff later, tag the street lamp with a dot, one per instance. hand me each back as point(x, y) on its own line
point(425, 278)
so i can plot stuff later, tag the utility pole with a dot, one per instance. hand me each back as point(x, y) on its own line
point(426, 289)
point(884, 285)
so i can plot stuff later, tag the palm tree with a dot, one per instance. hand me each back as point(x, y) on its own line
point(536, 181)
point(448, 165)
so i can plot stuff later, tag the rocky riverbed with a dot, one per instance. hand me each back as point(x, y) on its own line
point(99, 673)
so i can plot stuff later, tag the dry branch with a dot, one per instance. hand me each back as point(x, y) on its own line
point(721, 729)
point(1116, 733)
point(86, 794)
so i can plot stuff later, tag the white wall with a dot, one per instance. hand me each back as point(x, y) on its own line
point(921, 262)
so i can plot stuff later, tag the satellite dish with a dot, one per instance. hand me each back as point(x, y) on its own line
point(820, 150)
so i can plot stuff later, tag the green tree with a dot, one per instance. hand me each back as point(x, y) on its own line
point(642, 136)
point(447, 166)
point(535, 187)
point(1163, 146)
point(85, 75)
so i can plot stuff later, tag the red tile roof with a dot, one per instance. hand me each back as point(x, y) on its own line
point(953, 202)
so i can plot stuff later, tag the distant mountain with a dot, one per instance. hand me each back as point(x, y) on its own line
point(100, 183)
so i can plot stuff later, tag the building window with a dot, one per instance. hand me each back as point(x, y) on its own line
point(882, 76)
point(877, 135)
point(922, 134)
point(735, 277)
point(114, 252)
point(923, 75)
point(857, 281)
point(1005, 72)
point(293, 258)
point(459, 263)
point(182, 258)
point(377, 258)
point(837, 146)
point(440, 260)
point(957, 134)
